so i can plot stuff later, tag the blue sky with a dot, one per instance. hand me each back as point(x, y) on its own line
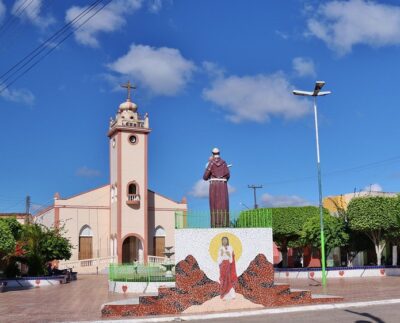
point(209, 73)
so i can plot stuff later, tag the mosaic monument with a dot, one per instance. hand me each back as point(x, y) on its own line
point(224, 267)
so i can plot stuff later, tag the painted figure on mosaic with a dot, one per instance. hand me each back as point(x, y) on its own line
point(217, 173)
point(227, 270)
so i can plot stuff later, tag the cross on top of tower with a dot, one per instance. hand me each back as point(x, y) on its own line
point(129, 86)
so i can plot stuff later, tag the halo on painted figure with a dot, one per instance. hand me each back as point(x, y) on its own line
point(215, 244)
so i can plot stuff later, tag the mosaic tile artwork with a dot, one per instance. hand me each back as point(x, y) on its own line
point(193, 287)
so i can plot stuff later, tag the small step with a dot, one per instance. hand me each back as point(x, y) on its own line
point(128, 301)
point(299, 290)
point(322, 296)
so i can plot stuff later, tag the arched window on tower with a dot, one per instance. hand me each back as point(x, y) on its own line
point(133, 194)
point(132, 188)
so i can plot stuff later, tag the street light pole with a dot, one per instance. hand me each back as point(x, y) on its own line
point(314, 94)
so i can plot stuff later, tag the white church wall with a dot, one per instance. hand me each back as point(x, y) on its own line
point(89, 208)
point(166, 220)
point(46, 218)
point(162, 210)
point(98, 197)
point(74, 219)
point(203, 244)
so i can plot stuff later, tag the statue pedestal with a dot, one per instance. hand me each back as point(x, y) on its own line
point(203, 245)
point(197, 288)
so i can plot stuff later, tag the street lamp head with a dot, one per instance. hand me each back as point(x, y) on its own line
point(303, 93)
point(318, 86)
point(317, 90)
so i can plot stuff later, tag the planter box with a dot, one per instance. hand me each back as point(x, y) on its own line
point(137, 287)
point(337, 272)
point(31, 282)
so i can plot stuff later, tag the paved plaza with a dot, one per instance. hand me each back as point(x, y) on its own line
point(373, 314)
point(81, 300)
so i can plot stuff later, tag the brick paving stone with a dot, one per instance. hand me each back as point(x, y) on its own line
point(352, 289)
point(82, 299)
point(78, 300)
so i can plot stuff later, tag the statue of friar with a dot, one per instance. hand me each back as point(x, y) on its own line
point(217, 173)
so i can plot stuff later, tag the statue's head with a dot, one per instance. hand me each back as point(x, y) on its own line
point(215, 152)
point(225, 241)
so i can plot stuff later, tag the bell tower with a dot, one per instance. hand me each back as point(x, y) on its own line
point(128, 134)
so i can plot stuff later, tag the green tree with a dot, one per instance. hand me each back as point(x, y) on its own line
point(7, 241)
point(375, 216)
point(42, 245)
point(55, 246)
point(334, 231)
point(15, 227)
point(357, 241)
point(287, 223)
point(7, 247)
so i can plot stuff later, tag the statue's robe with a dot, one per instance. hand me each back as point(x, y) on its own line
point(217, 173)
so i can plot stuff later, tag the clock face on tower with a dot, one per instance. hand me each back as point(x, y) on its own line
point(132, 139)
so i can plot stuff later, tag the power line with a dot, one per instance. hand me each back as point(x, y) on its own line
point(340, 171)
point(43, 46)
point(48, 43)
point(15, 29)
point(13, 18)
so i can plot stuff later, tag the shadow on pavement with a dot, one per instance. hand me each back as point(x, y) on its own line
point(374, 319)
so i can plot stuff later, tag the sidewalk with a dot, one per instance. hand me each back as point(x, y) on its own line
point(352, 289)
point(82, 300)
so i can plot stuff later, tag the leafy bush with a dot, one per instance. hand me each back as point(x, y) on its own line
point(334, 232)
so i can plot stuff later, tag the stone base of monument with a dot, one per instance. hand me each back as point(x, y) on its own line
point(197, 288)
point(196, 293)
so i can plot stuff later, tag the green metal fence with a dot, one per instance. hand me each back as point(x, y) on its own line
point(138, 273)
point(256, 218)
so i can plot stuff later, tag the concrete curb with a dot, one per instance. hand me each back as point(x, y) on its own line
point(279, 310)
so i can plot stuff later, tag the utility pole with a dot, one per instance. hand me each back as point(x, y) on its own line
point(255, 187)
point(27, 208)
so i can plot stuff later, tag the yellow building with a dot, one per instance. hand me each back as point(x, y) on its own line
point(335, 203)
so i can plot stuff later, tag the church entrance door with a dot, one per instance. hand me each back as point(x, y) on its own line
point(132, 250)
point(159, 246)
point(85, 248)
point(85, 243)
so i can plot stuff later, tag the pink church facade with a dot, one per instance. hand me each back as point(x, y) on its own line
point(123, 220)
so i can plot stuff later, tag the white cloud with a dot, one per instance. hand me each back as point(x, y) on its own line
point(343, 24)
point(18, 95)
point(201, 188)
point(256, 98)
point(2, 10)
point(373, 188)
point(32, 12)
point(163, 70)
point(304, 66)
point(282, 34)
point(283, 200)
point(109, 19)
point(213, 70)
point(85, 171)
point(155, 5)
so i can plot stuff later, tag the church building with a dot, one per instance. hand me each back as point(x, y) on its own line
point(123, 219)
